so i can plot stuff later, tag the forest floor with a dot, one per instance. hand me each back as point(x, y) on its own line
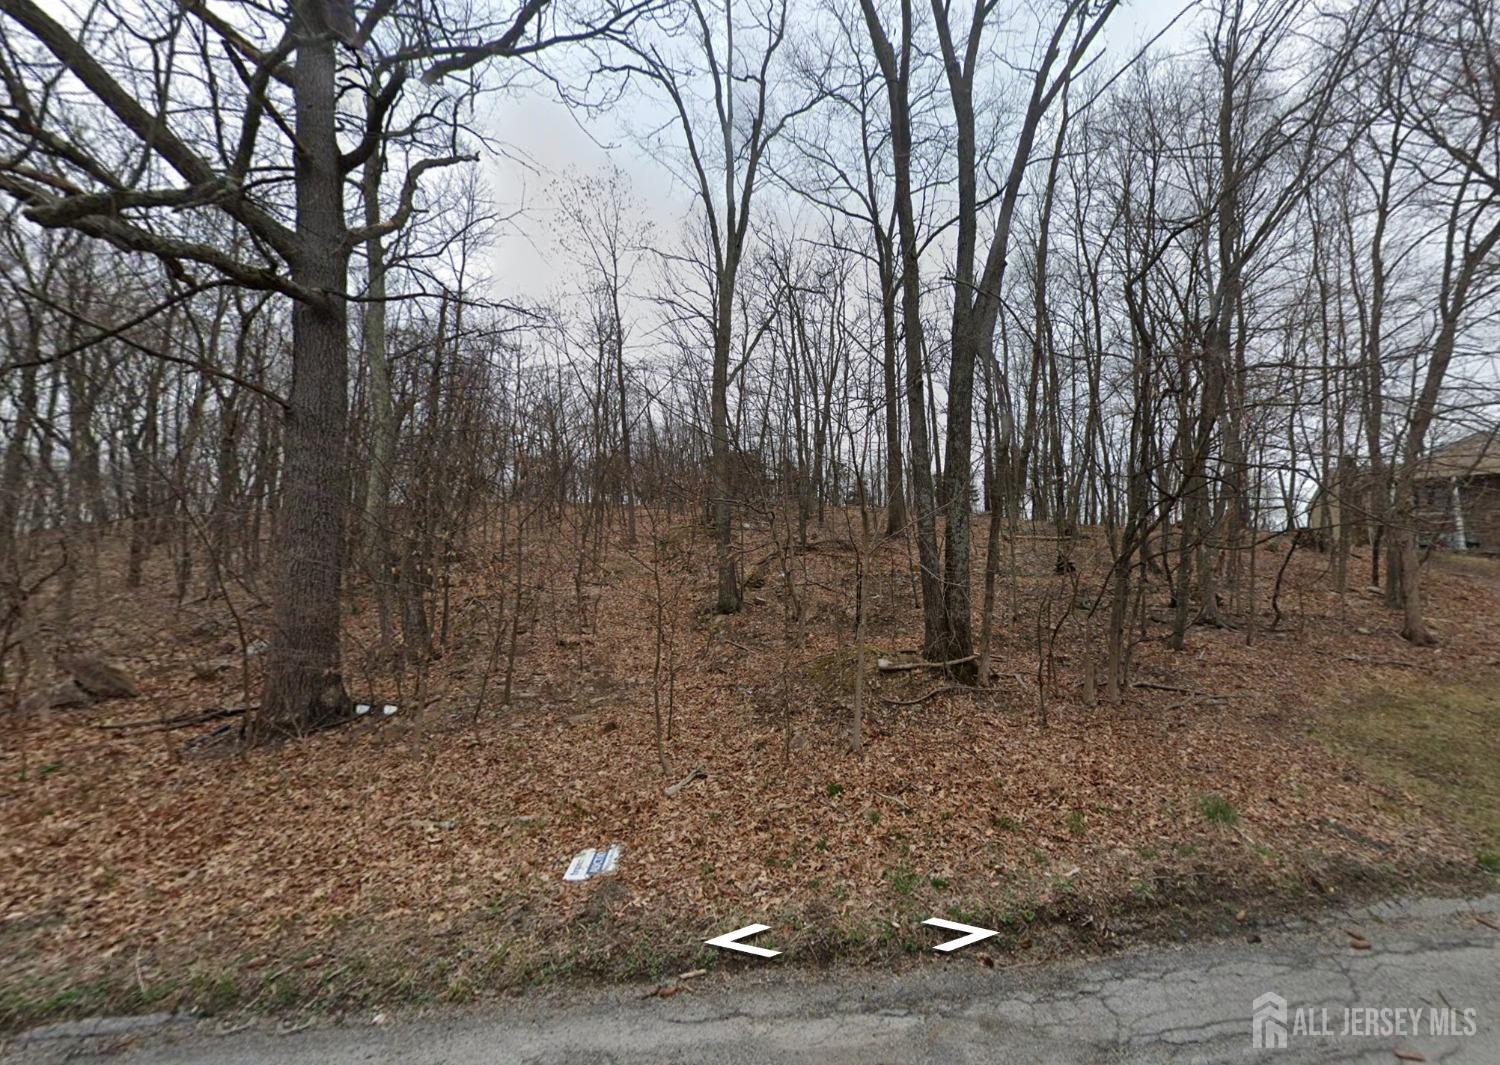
point(419, 858)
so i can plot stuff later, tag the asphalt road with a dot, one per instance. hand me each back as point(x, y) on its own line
point(1160, 1005)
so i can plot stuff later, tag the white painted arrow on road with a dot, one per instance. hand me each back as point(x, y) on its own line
point(972, 933)
point(731, 941)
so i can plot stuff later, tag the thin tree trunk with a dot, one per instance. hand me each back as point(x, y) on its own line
point(376, 532)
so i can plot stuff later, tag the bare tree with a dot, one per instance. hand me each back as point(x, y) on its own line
point(163, 147)
point(725, 149)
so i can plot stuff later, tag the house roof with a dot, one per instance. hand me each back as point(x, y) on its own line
point(1477, 453)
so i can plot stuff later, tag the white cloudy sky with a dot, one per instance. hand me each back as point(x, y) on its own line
point(546, 141)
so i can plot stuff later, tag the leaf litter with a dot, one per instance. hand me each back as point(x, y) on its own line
point(447, 827)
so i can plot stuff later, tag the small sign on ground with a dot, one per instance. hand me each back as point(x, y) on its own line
point(595, 861)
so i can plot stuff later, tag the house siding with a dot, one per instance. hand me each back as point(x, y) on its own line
point(1479, 497)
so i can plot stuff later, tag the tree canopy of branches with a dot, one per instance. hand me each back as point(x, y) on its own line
point(932, 259)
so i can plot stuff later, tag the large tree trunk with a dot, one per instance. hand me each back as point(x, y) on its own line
point(958, 638)
point(304, 685)
point(723, 513)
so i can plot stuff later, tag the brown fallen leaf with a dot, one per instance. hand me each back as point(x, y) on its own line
point(1403, 1054)
point(113, 823)
point(666, 991)
point(1487, 921)
point(1357, 941)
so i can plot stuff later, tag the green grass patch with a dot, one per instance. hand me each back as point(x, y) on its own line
point(904, 880)
point(1218, 810)
point(1441, 744)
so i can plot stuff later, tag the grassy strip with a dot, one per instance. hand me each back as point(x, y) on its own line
point(1439, 745)
point(494, 958)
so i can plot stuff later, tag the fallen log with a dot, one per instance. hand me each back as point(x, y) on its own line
point(166, 724)
point(887, 666)
point(696, 773)
point(945, 689)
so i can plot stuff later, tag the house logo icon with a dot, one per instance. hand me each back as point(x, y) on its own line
point(1268, 1022)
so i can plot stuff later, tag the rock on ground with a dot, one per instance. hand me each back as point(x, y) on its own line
point(62, 696)
point(101, 679)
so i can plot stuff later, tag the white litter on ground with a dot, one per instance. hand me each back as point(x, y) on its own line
point(595, 861)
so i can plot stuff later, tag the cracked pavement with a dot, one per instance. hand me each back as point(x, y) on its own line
point(1190, 1003)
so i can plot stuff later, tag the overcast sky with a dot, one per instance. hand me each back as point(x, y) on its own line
point(546, 140)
